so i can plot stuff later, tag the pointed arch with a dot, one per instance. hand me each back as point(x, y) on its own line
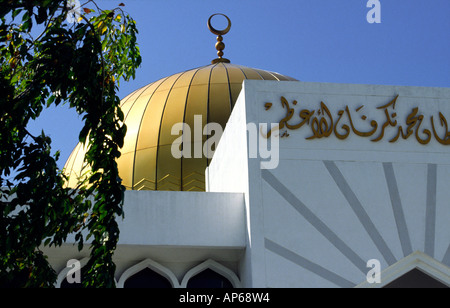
point(152, 265)
point(415, 261)
point(214, 266)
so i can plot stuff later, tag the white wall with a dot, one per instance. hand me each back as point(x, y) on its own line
point(183, 218)
point(178, 230)
point(229, 172)
point(331, 204)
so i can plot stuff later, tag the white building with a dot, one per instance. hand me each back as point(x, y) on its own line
point(356, 179)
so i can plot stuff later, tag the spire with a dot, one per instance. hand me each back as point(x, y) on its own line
point(220, 46)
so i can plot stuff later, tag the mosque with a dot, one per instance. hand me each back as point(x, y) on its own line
point(294, 184)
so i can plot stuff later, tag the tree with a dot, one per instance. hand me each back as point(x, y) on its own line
point(79, 58)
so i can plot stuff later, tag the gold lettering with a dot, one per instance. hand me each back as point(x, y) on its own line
point(446, 139)
point(323, 124)
point(373, 123)
point(411, 121)
point(281, 124)
point(321, 128)
point(388, 118)
point(344, 127)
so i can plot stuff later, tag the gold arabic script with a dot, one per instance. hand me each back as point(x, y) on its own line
point(322, 123)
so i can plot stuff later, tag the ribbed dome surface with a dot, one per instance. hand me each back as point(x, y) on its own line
point(150, 113)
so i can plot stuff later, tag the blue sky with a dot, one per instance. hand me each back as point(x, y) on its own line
point(311, 40)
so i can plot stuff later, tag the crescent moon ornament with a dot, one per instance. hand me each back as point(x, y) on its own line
point(219, 32)
point(220, 45)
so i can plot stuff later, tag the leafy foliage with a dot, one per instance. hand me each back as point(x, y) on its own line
point(80, 64)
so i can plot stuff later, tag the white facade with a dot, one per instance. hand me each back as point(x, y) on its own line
point(356, 178)
point(173, 233)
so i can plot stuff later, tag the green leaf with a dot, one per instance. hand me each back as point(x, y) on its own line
point(47, 242)
point(15, 13)
point(67, 62)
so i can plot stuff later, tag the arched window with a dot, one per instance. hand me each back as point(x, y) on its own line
point(418, 270)
point(147, 278)
point(209, 279)
point(416, 279)
point(148, 274)
point(210, 274)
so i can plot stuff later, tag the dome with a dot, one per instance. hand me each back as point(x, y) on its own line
point(150, 112)
point(147, 162)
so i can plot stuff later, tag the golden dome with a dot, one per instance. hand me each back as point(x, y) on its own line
point(150, 113)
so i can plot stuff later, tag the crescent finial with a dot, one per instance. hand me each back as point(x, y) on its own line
point(220, 46)
point(219, 32)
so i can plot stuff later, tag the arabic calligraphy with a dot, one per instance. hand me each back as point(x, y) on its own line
point(322, 123)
